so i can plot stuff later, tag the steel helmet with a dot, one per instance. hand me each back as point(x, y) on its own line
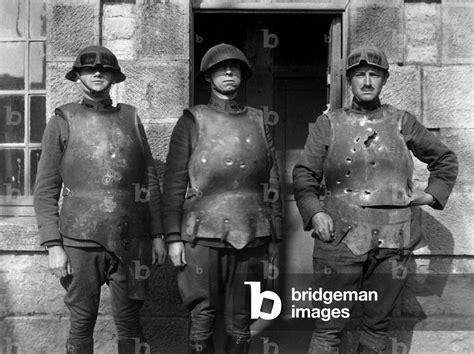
point(371, 56)
point(222, 52)
point(96, 56)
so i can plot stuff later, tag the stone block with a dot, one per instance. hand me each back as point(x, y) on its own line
point(403, 89)
point(461, 142)
point(118, 10)
point(158, 90)
point(119, 28)
point(458, 31)
point(159, 135)
point(60, 90)
point(156, 30)
point(422, 32)
point(448, 97)
point(27, 287)
point(448, 232)
point(124, 49)
point(378, 23)
point(72, 25)
point(19, 234)
point(436, 288)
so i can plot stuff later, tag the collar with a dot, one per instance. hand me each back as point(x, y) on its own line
point(228, 106)
point(365, 107)
point(102, 105)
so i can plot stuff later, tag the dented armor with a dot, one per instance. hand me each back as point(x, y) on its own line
point(368, 175)
point(103, 171)
point(229, 173)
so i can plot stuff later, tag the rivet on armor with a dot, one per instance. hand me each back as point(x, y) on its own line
point(248, 140)
point(349, 227)
point(380, 243)
point(229, 162)
point(338, 182)
point(348, 160)
point(203, 160)
point(347, 190)
point(367, 192)
point(357, 139)
point(242, 165)
point(354, 150)
point(113, 155)
point(226, 221)
point(197, 219)
point(372, 163)
point(348, 174)
point(375, 231)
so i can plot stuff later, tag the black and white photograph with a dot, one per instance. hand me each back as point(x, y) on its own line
point(236, 176)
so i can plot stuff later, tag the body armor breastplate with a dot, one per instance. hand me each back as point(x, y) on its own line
point(103, 168)
point(368, 162)
point(228, 171)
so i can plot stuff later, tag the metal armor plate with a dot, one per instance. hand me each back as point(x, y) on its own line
point(103, 168)
point(228, 170)
point(368, 162)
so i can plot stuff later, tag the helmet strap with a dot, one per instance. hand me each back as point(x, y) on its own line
point(220, 94)
point(94, 94)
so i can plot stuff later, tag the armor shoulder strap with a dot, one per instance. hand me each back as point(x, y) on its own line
point(336, 115)
point(65, 110)
point(128, 109)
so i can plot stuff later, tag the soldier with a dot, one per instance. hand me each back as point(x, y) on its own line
point(220, 227)
point(362, 232)
point(111, 204)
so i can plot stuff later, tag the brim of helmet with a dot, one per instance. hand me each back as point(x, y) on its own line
point(247, 74)
point(119, 76)
point(362, 62)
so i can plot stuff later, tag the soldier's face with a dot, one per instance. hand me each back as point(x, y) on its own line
point(226, 77)
point(366, 82)
point(97, 78)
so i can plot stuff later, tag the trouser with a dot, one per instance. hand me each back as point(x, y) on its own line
point(215, 276)
point(92, 267)
point(381, 270)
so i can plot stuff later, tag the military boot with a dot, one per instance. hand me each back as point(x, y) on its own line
point(83, 348)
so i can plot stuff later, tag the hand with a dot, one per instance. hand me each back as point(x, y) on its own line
point(159, 251)
point(176, 254)
point(323, 226)
point(420, 197)
point(59, 263)
point(272, 251)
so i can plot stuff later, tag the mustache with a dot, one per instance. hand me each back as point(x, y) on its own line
point(367, 87)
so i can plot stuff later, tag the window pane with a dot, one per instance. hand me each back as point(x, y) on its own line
point(12, 66)
point(37, 118)
point(37, 66)
point(12, 119)
point(12, 18)
point(37, 18)
point(12, 169)
point(34, 160)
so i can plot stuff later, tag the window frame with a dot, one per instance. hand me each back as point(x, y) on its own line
point(13, 205)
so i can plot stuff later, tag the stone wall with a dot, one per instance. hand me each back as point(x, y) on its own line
point(430, 49)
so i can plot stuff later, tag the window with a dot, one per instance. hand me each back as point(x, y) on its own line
point(22, 97)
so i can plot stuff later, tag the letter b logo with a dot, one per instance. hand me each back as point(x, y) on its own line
point(257, 297)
